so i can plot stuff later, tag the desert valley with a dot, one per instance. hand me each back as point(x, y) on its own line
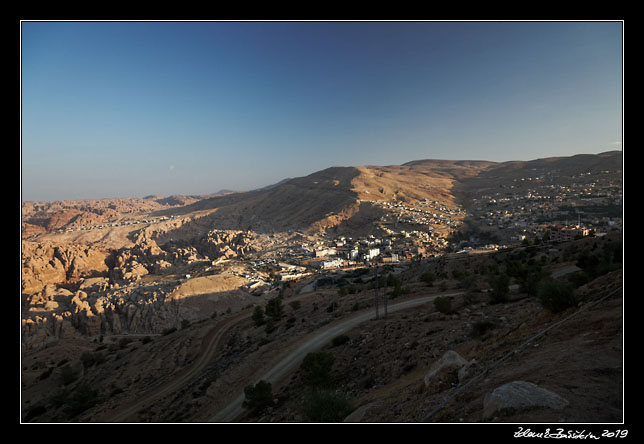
point(432, 291)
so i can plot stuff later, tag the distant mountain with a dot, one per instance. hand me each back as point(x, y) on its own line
point(340, 196)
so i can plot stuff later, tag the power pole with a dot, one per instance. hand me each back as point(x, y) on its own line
point(385, 299)
point(375, 269)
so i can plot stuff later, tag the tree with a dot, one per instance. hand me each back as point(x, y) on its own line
point(500, 288)
point(556, 295)
point(258, 316)
point(258, 396)
point(443, 304)
point(274, 308)
point(316, 369)
point(428, 277)
point(326, 406)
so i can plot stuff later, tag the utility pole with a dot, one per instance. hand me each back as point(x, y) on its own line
point(385, 299)
point(375, 269)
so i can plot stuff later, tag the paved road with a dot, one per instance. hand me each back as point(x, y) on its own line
point(314, 342)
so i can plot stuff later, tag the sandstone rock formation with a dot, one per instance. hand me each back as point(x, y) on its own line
point(47, 263)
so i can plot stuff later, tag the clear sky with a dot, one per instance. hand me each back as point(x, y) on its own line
point(121, 109)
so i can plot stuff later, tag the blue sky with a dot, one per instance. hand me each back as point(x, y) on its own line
point(120, 109)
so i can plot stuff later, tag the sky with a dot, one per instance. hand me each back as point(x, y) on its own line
point(125, 109)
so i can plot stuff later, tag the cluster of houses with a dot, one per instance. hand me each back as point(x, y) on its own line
point(347, 252)
point(538, 204)
point(437, 214)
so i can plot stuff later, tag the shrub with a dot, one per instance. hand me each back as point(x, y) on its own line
point(428, 277)
point(531, 280)
point(316, 369)
point(399, 290)
point(270, 326)
point(480, 329)
point(185, 324)
point(443, 304)
point(556, 295)
point(295, 305)
point(274, 308)
point(35, 411)
point(258, 316)
point(81, 399)
point(168, 331)
point(258, 396)
point(68, 375)
point(326, 406)
point(90, 359)
point(339, 340)
point(500, 289)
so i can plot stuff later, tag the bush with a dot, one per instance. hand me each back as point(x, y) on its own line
point(480, 329)
point(90, 359)
point(168, 331)
point(443, 304)
point(270, 326)
point(339, 340)
point(258, 396)
point(399, 290)
point(274, 308)
point(295, 305)
point(500, 288)
point(68, 375)
point(258, 316)
point(316, 369)
point(326, 406)
point(35, 411)
point(556, 296)
point(428, 277)
point(81, 399)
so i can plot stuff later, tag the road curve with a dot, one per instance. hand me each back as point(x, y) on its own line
point(314, 342)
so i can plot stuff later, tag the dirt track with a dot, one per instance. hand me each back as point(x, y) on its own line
point(212, 343)
point(207, 353)
point(292, 356)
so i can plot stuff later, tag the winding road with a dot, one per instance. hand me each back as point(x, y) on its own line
point(315, 341)
point(291, 358)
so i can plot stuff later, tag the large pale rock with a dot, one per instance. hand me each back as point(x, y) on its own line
point(444, 372)
point(518, 395)
point(358, 414)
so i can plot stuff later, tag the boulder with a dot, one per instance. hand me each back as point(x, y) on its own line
point(444, 372)
point(520, 395)
point(358, 414)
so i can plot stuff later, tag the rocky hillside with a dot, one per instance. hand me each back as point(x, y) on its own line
point(43, 217)
point(398, 369)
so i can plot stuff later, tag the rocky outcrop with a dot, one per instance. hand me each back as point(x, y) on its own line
point(521, 395)
point(48, 263)
point(445, 372)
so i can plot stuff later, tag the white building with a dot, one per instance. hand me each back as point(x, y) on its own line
point(371, 253)
point(333, 263)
